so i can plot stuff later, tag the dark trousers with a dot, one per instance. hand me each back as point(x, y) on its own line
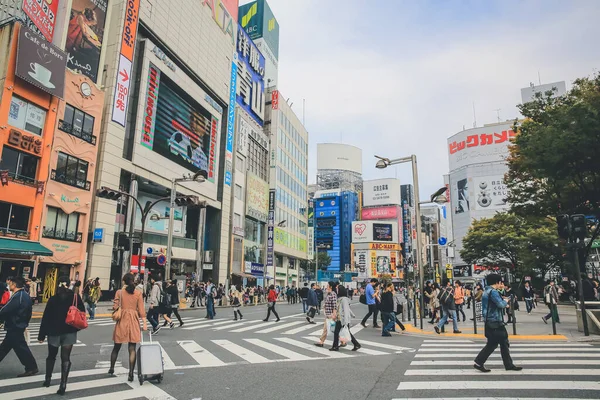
point(15, 340)
point(529, 305)
point(336, 335)
point(553, 313)
point(269, 309)
point(494, 338)
point(304, 306)
point(152, 316)
point(459, 310)
point(389, 322)
point(372, 310)
point(176, 312)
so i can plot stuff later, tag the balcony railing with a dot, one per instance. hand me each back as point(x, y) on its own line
point(14, 233)
point(69, 180)
point(62, 234)
point(23, 180)
point(77, 132)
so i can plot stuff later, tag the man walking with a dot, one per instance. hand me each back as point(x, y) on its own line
point(211, 294)
point(312, 301)
point(551, 300)
point(495, 331)
point(446, 298)
point(372, 297)
point(304, 296)
point(154, 311)
point(459, 299)
point(528, 296)
point(330, 307)
point(16, 315)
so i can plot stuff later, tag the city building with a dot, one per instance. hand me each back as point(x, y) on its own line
point(339, 166)
point(287, 225)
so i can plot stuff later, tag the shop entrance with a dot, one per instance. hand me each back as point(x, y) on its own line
point(49, 273)
point(10, 268)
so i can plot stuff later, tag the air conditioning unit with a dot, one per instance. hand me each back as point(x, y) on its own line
point(208, 256)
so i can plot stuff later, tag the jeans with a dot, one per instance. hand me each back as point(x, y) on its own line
point(529, 305)
point(372, 310)
point(498, 337)
point(443, 320)
point(91, 309)
point(210, 307)
point(304, 306)
point(389, 323)
point(152, 317)
point(15, 340)
point(459, 309)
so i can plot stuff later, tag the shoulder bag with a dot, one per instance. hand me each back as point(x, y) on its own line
point(75, 317)
point(116, 314)
point(494, 328)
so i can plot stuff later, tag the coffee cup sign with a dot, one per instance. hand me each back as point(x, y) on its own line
point(41, 63)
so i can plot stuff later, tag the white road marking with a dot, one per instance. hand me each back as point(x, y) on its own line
point(167, 361)
point(282, 351)
point(311, 347)
point(279, 326)
point(473, 371)
point(198, 326)
point(499, 362)
point(249, 328)
point(515, 355)
point(516, 350)
point(299, 329)
point(498, 385)
point(545, 345)
point(201, 355)
point(241, 352)
point(385, 345)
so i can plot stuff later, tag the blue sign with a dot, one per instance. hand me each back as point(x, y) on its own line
point(257, 269)
point(161, 259)
point(230, 122)
point(442, 241)
point(98, 235)
point(149, 250)
point(250, 82)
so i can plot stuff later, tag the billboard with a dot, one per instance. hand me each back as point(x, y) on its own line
point(177, 127)
point(230, 123)
point(407, 195)
point(43, 15)
point(490, 193)
point(528, 93)
point(250, 77)
point(339, 156)
point(387, 212)
point(373, 231)
point(381, 192)
point(271, 229)
point(462, 196)
point(480, 145)
point(258, 21)
point(158, 217)
point(41, 63)
point(257, 198)
point(85, 36)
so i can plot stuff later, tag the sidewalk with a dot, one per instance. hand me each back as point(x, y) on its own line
point(528, 327)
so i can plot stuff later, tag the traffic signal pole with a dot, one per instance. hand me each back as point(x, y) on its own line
point(586, 330)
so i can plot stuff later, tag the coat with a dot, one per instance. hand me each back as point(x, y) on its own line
point(55, 314)
point(312, 300)
point(127, 329)
point(344, 312)
point(16, 313)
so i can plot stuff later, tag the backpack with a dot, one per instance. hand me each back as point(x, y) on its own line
point(164, 298)
point(445, 296)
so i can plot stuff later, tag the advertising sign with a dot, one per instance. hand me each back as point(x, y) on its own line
point(257, 269)
point(177, 127)
point(360, 262)
point(480, 145)
point(41, 63)
point(271, 229)
point(490, 193)
point(381, 192)
point(257, 197)
point(389, 212)
point(462, 196)
point(246, 129)
point(339, 156)
point(406, 194)
point(43, 15)
point(230, 123)
point(251, 71)
point(158, 217)
point(128, 38)
point(258, 21)
point(242, 135)
point(275, 100)
point(311, 243)
point(370, 231)
point(85, 36)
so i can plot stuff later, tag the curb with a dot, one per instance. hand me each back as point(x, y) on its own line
point(411, 329)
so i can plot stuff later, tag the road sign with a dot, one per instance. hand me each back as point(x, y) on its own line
point(161, 259)
point(149, 250)
point(98, 235)
point(442, 241)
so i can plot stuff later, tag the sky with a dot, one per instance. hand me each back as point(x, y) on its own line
point(397, 77)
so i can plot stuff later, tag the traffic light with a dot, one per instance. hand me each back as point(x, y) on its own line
point(578, 226)
point(106, 193)
point(563, 226)
point(186, 201)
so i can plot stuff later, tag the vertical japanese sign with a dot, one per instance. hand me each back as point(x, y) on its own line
point(271, 229)
point(130, 26)
point(251, 72)
point(43, 15)
point(311, 230)
point(231, 121)
point(275, 100)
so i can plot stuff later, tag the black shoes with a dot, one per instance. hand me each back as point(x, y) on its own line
point(481, 368)
point(181, 324)
point(277, 320)
point(456, 332)
point(265, 320)
point(64, 375)
point(514, 368)
point(376, 326)
point(437, 330)
point(28, 373)
point(363, 324)
point(334, 349)
point(356, 347)
point(319, 344)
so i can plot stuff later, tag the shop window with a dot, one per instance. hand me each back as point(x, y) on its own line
point(71, 171)
point(27, 116)
point(77, 123)
point(22, 167)
point(14, 220)
point(62, 226)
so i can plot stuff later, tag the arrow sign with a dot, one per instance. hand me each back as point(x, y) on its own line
point(442, 241)
point(125, 75)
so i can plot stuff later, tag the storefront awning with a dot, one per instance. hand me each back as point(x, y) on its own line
point(23, 247)
point(243, 275)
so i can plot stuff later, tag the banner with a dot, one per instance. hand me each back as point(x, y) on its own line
point(271, 229)
point(490, 193)
point(230, 123)
point(85, 36)
point(43, 15)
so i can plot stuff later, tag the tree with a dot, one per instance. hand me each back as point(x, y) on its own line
point(506, 240)
point(324, 260)
point(554, 164)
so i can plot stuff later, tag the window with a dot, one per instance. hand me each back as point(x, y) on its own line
point(14, 220)
point(22, 167)
point(26, 116)
point(71, 171)
point(237, 220)
point(77, 123)
point(239, 164)
point(62, 226)
point(238, 192)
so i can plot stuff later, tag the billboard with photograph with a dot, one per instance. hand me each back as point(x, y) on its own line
point(177, 127)
point(462, 196)
point(490, 193)
point(257, 197)
point(339, 156)
point(480, 145)
point(374, 231)
point(381, 192)
point(250, 77)
point(85, 36)
point(271, 229)
point(258, 21)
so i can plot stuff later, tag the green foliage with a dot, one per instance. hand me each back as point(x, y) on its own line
point(324, 260)
point(530, 245)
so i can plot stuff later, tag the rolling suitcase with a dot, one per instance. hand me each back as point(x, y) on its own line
point(149, 361)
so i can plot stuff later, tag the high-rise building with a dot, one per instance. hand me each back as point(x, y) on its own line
point(339, 166)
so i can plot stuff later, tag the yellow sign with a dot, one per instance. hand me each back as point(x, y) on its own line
point(448, 266)
point(449, 273)
point(384, 246)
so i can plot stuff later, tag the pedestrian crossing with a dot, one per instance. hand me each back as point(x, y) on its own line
point(443, 369)
point(34, 330)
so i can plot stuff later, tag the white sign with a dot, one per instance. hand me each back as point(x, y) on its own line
point(381, 192)
point(311, 243)
point(360, 262)
point(339, 156)
point(374, 231)
point(490, 193)
point(208, 267)
point(119, 111)
point(480, 145)
point(242, 137)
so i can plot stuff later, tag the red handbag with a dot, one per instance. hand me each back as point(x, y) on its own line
point(75, 317)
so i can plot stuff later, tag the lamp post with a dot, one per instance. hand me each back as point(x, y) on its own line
point(386, 162)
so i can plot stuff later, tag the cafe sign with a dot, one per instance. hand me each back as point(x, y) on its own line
point(28, 143)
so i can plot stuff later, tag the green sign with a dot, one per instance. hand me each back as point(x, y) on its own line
point(258, 21)
point(596, 244)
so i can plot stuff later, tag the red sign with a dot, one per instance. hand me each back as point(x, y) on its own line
point(135, 263)
point(483, 139)
point(43, 15)
point(275, 100)
point(388, 212)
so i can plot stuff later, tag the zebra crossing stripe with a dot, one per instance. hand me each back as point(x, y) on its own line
point(249, 328)
point(298, 330)
point(199, 354)
point(40, 378)
point(450, 341)
point(311, 347)
point(280, 326)
point(498, 385)
point(498, 362)
point(472, 371)
point(363, 350)
point(490, 398)
point(515, 355)
point(203, 321)
point(512, 345)
point(385, 345)
point(515, 350)
point(198, 326)
point(167, 361)
point(282, 351)
point(44, 391)
point(242, 352)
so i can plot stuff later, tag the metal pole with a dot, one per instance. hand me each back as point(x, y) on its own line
point(317, 266)
point(431, 263)
point(474, 313)
point(415, 299)
point(418, 227)
point(171, 222)
point(200, 255)
point(514, 314)
point(586, 330)
point(552, 313)
point(144, 215)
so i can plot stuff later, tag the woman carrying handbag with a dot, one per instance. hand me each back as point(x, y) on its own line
point(128, 309)
point(61, 334)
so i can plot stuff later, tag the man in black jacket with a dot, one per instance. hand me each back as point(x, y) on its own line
point(304, 295)
point(16, 315)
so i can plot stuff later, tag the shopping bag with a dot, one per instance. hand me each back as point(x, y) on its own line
point(345, 334)
point(330, 326)
point(311, 312)
point(27, 335)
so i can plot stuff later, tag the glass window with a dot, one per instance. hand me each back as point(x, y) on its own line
point(14, 219)
point(78, 123)
point(239, 164)
point(71, 171)
point(237, 220)
point(21, 166)
point(238, 192)
point(26, 116)
point(60, 225)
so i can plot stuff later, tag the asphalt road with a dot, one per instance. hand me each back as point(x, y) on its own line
point(222, 359)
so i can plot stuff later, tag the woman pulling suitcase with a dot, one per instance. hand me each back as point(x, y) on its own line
point(128, 310)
